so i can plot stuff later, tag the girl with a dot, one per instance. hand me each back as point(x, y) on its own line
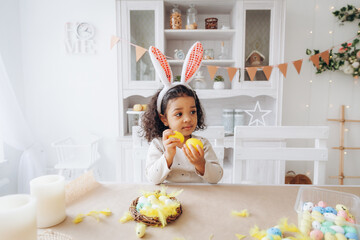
point(177, 108)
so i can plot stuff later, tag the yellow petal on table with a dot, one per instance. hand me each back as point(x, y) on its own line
point(239, 236)
point(79, 218)
point(243, 213)
point(126, 217)
point(211, 236)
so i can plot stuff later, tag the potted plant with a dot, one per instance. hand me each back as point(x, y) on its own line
point(219, 82)
point(177, 78)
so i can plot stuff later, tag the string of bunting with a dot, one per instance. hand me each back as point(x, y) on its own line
point(267, 70)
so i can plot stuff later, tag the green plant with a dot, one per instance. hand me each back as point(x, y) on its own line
point(347, 57)
point(218, 78)
point(177, 78)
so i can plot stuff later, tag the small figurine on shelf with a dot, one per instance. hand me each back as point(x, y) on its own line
point(255, 59)
point(219, 82)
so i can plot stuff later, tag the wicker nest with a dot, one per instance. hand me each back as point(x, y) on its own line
point(138, 217)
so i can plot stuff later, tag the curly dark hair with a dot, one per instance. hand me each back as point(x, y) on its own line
point(151, 125)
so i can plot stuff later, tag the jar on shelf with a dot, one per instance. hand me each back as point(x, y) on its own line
point(191, 17)
point(175, 18)
point(228, 121)
point(211, 23)
point(239, 117)
point(208, 54)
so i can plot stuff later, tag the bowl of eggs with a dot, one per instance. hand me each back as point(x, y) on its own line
point(328, 215)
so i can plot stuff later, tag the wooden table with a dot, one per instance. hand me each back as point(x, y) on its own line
point(206, 208)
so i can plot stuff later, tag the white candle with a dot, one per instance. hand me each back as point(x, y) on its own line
point(18, 217)
point(49, 191)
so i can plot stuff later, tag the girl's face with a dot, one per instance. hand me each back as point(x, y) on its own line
point(181, 115)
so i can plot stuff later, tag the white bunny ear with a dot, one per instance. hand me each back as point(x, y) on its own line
point(161, 65)
point(192, 62)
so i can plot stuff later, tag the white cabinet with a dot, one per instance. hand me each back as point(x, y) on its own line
point(249, 25)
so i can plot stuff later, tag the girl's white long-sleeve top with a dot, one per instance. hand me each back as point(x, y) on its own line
point(181, 170)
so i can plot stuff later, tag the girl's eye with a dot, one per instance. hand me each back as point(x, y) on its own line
point(178, 114)
point(193, 112)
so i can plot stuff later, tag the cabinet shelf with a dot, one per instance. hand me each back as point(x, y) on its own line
point(199, 34)
point(226, 62)
point(212, 94)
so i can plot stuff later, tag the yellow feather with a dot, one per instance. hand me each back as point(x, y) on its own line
point(285, 227)
point(242, 213)
point(126, 217)
point(257, 233)
point(79, 218)
point(175, 193)
point(239, 236)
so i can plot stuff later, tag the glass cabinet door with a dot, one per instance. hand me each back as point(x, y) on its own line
point(257, 41)
point(142, 32)
point(141, 26)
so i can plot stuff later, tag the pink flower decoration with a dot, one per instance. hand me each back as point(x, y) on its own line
point(349, 44)
point(341, 50)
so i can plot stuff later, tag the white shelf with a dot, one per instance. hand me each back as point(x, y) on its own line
point(226, 62)
point(199, 34)
point(213, 94)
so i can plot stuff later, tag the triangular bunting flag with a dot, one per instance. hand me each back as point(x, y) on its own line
point(297, 65)
point(231, 71)
point(114, 41)
point(283, 68)
point(325, 56)
point(267, 71)
point(315, 60)
point(212, 71)
point(252, 72)
point(139, 52)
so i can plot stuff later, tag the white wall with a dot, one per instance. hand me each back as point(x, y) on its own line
point(323, 97)
point(68, 94)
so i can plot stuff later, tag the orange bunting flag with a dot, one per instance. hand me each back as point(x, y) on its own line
point(231, 71)
point(283, 68)
point(114, 41)
point(212, 71)
point(315, 60)
point(139, 52)
point(252, 72)
point(297, 65)
point(267, 71)
point(325, 56)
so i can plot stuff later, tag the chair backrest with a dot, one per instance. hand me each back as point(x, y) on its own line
point(260, 151)
point(216, 136)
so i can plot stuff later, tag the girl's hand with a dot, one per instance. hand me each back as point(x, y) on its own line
point(195, 157)
point(170, 145)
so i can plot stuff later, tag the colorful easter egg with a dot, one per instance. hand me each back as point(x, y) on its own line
point(316, 225)
point(351, 235)
point(340, 236)
point(322, 204)
point(329, 236)
point(308, 206)
point(330, 210)
point(177, 135)
point(338, 229)
point(316, 234)
point(194, 142)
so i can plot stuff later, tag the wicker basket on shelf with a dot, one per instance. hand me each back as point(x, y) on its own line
point(138, 217)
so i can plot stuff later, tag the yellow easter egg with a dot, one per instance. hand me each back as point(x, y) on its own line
point(177, 135)
point(194, 142)
point(137, 107)
point(140, 229)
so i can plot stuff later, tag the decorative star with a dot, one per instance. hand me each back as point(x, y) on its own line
point(257, 115)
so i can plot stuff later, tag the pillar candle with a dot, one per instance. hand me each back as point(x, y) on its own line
point(49, 191)
point(18, 217)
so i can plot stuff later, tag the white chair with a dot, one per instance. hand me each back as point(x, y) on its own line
point(260, 153)
point(76, 154)
point(216, 135)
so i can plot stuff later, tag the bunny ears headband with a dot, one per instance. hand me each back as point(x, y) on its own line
point(191, 66)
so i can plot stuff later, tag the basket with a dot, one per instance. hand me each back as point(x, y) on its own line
point(138, 217)
point(211, 23)
point(77, 153)
point(332, 198)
